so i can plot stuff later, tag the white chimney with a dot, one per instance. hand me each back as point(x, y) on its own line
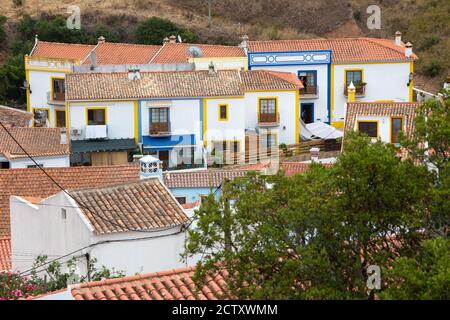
point(314, 154)
point(101, 39)
point(173, 39)
point(408, 50)
point(165, 40)
point(211, 68)
point(244, 44)
point(398, 38)
point(63, 135)
point(150, 167)
point(134, 74)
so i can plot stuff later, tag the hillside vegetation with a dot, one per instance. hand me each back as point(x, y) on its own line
point(425, 23)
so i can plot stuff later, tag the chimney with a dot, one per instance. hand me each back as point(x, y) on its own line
point(408, 50)
point(398, 38)
point(63, 135)
point(244, 43)
point(165, 40)
point(150, 167)
point(134, 74)
point(314, 154)
point(211, 69)
point(172, 39)
point(351, 91)
point(101, 39)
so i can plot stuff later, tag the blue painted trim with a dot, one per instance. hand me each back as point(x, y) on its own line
point(313, 108)
point(271, 58)
point(329, 93)
point(139, 122)
point(201, 118)
point(272, 52)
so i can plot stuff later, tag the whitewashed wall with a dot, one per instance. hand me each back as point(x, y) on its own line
point(386, 81)
point(384, 126)
point(286, 108)
point(231, 63)
point(46, 162)
point(120, 117)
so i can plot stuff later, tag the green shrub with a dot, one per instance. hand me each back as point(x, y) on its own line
point(154, 30)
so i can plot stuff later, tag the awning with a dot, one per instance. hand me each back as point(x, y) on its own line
point(168, 143)
point(86, 146)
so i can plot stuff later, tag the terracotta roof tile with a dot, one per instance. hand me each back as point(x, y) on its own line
point(123, 53)
point(168, 285)
point(85, 86)
point(200, 179)
point(73, 51)
point(38, 142)
point(12, 117)
point(148, 203)
point(178, 52)
point(5, 254)
point(293, 168)
point(383, 109)
point(343, 50)
point(34, 183)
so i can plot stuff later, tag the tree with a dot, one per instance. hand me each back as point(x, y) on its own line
point(314, 235)
point(430, 146)
point(424, 276)
point(2, 28)
point(154, 30)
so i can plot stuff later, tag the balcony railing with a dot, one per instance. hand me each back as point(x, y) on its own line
point(310, 90)
point(159, 129)
point(58, 98)
point(269, 119)
point(96, 132)
point(360, 90)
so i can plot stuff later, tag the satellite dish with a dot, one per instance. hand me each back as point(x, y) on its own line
point(195, 52)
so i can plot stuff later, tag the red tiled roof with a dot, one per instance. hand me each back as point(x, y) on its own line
point(5, 254)
point(117, 85)
point(12, 117)
point(382, 109)
point(38, 142)
point(293, 168)
point(200, 179)
point(34, 183)
point(152, 205)
point(343, 50)
point(167, 285)
point(178, 52)
point(123, 53)
point(73, 51)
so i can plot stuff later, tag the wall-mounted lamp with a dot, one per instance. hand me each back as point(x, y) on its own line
point(26, 86)
point(410, 79)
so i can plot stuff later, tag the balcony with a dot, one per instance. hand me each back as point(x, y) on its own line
point(97, 132)
point(269, 120)
point(57, 99)
point(310, 92)
point(360, 90)
point(159, 129)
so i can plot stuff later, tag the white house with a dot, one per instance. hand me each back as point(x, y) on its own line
point(49, 147)
point(176, 116)
point(381, 70)
point(133, 227)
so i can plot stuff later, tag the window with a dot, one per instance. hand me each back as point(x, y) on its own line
point(368, 127)
point(396, 127)
point(223, 112)
point(268, 110)
point(4, 165)
point(354, 76)
point(158, 115)
point(40, 117)
point(60, 116)
point(63, 214)
point(31, 166)
point(308, 79)
point(58, 89)
point(181, 200)
point(96, 117)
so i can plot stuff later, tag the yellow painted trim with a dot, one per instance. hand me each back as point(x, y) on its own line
point(48, 115)
point(27, 78)
point(226, 111)
point(411, 85)
point(376, 121)
point(280, 90)
point(297, 117)
point(268, 98)
point(56, 118)
point(368, 62)
point(47, 69)
point(136, 121)
point(338, 124)
point(220, 59)
point(97, 108)
point(390, 125)
point(332, 93)
point(205, 121)
point(350, 70)
point(83, 102)
point(219, 97)
point(51, 84)
point(68, 120)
